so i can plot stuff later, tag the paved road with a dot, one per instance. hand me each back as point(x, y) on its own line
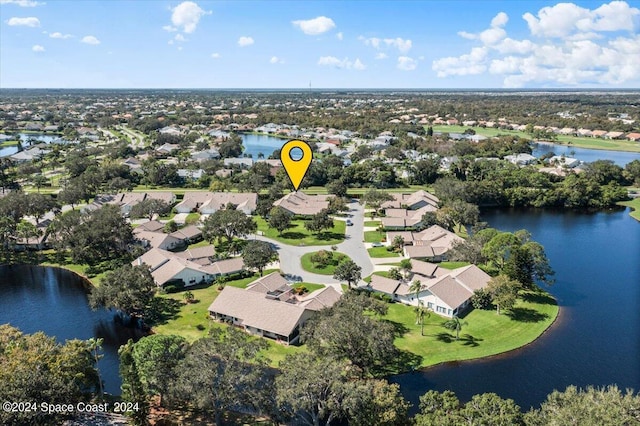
point(353, 246)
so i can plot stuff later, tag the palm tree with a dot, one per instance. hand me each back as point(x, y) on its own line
point(415, 287)
point(455, 324)
point(421, 311)
point(188, 296)
point(95, 344)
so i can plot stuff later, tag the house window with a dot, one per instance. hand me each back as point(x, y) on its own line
point(441, 309)
point(430, 305)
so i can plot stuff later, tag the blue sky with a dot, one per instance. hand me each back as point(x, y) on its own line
point(354, 44)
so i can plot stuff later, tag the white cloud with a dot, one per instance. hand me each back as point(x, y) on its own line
point(340, 36)
point(170, 28)
point(564, 19)
point(22, 3)
point(406, 63)
point(381, 55)
point(90, 40)
point(378, 43)
point(245, 41)
point(402, 45)
point(276, 60)
point(37, 48)
point(569, 46)
point(315, 26)
point(31, 21)
point(180, 38)
point(469, 64)
point(215, 55)
point(358, 65)
point(60, 35)
point(186, 16)
point(332, 61)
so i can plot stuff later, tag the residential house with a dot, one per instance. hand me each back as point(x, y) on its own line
point(401, 219)
point(299, 203)
point(269, 308)
point(560, 160)
point(210, 202)
point(433, 243)
point(633, 137)
point(614, 135)
point(521, 159)
point(446, 292)
point(412, 201)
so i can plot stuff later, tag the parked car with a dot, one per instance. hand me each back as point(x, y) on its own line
point(376, 244)
point(349, 223)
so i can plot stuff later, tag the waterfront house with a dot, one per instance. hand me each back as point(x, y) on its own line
point(301, 204)
point(269, 308)
point(445, 292)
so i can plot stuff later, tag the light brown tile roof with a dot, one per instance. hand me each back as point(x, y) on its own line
point(394, 222)
point(188, 232)
point(384, 284)
point(471, 277)
point(419, 251)
point(407, 236)
point(426, 269)
point(165, 196)
point(321, 298)
point(217, 200)
point(303, 204)
point(197, 253)
point(272, 282)
point(450, 291)
point(167, 271)
point(154, 258)
point(255, 310)
point(225, 267)
point(152, 226)
point(156, 239)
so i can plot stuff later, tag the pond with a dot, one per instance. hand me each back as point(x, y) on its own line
point(621, 158)
point(256, 144)
point(595, 340)
point(52, 300)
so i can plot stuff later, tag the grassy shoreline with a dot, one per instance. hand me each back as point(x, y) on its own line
point(580, 142)
point(635, 207)
point(486, 334)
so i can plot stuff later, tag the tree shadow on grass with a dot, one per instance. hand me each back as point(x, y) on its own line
point(325, 236)
point(465, 339)
point(399, 329)
point(539, 298)
point(293, 235)
point(526, 315)
point(402, 362)
point(161, 310)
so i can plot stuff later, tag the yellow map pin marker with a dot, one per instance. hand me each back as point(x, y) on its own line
point(296, 167)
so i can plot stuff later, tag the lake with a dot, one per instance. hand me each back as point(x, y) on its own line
point(52, 300)
point(24, 139)
point(256, 144)
point(596, 339)
point(621, 158)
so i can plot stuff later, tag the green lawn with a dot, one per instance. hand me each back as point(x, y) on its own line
point(9, 143)
point(485, 332)
point(192, 218)
point(591, 143)
point(635, 207)
point(381, 252)
point(329, 269)
point(374, 236)
point(297, 235)
point(375, 223)
point(452, 265)
point(311, 287)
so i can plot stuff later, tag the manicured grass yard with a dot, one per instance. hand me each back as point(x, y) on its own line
point(452, 265)
point(635, 207)
point(375, 223)
point(381, 252)
point(329, 269)
point(298, 235)
point(486, 333)
point(311, 287)
point(374, 236)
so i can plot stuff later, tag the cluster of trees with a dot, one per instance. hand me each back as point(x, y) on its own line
point(34, 368)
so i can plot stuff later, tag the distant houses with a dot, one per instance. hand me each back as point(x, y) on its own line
point(189, 267)
point(445, 292)
point(269, 308)
point(210, 202)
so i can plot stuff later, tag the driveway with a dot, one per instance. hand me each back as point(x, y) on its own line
point(353, 246)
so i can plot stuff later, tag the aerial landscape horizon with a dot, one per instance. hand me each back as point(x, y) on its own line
point(364, 213)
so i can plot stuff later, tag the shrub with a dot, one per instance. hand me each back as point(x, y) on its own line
point(481, 299)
